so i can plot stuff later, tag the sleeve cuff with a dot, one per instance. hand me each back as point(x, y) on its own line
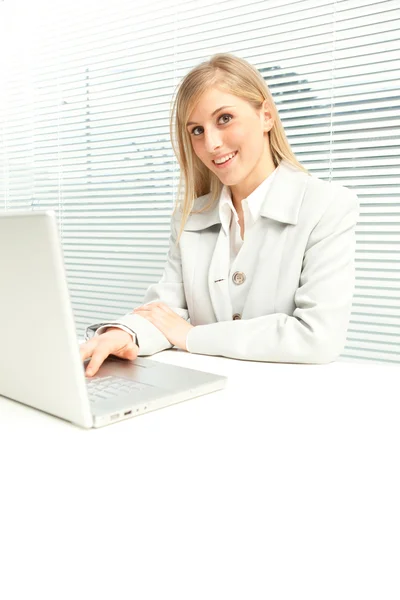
point(100, 328)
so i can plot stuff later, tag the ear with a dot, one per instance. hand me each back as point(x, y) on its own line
point(268, 120)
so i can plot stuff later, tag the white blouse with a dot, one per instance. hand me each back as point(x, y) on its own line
point(251, 207)
point(251, 211)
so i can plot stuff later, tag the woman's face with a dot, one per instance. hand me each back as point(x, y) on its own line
point(221, 124)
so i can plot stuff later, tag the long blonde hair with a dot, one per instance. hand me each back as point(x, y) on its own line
point(235, 76)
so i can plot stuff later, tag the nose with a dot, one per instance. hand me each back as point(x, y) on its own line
point(212, 140)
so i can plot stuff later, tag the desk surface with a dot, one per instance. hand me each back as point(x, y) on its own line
point(285, 485)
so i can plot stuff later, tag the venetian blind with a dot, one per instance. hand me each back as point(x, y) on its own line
point(85, 131)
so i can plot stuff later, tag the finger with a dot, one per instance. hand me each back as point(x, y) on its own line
point(86, 349)
point(144, 310)
point(150, 306)
point(167, 309)
point(161, 305)
point(130, 354)
point(98, 357)
point(155, 319)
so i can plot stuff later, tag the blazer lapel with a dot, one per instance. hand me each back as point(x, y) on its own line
point(279, 211)
point(285, 196)
point(218, 278)
point(218, 273)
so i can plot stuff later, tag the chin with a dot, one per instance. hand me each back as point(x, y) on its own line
point(229, 181)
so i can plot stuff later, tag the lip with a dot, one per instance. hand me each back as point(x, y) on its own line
point(227, 163)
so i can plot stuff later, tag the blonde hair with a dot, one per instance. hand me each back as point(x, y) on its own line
point(235, 76)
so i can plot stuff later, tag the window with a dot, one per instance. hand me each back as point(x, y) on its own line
point(85, 130)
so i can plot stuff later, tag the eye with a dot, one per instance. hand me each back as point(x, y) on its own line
point(199, 126)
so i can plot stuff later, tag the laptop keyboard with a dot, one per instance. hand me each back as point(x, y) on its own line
point(107, 387)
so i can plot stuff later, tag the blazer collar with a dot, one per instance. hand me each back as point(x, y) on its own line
point(282, 203)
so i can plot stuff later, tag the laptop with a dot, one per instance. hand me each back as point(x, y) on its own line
point(40, 363)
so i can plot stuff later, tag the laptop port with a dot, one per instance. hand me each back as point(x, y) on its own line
point(128, 412)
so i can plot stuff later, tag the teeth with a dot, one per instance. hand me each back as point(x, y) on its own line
point(222, 160)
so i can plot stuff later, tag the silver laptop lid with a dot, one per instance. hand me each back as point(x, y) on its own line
point(40, 363)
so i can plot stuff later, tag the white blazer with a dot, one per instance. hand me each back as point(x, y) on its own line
point(299, 275)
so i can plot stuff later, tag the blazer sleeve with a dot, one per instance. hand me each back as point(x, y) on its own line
point(169, 290)
point(316, 332)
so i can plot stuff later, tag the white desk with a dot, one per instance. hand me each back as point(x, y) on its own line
point(283, 486)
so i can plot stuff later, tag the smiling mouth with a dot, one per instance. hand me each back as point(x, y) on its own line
point(226, 162)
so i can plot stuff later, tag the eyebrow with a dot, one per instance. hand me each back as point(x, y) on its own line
point(214, 113)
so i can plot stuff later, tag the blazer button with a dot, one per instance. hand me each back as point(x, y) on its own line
point(239, 278)
point(236, 316)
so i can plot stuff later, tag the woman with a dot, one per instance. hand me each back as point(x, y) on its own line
point(261, 255)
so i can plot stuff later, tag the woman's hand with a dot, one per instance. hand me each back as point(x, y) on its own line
point(167, 321)
point(112, 341)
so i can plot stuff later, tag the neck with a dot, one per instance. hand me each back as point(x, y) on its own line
point(241, 192)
